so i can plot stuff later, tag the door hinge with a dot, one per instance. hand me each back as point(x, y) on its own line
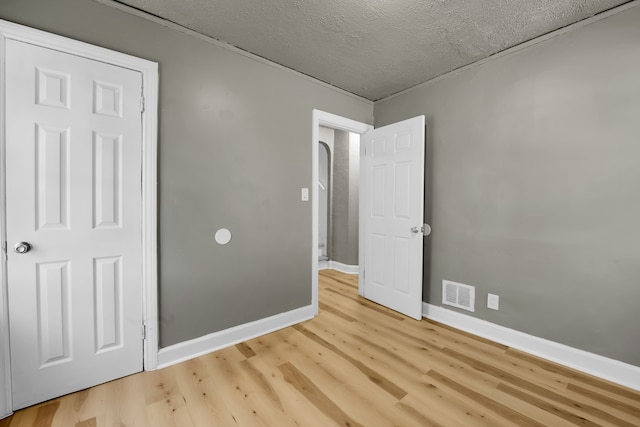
point(144, 331)
point(142, 104)
point(4, 250)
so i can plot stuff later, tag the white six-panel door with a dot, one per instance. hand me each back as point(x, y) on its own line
point(73, 192)
point(392, 206)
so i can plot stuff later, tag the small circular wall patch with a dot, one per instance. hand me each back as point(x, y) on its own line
point(223, 236)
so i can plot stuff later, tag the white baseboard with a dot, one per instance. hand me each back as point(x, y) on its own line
point(335, 265)
point(590, 363)
point(197, 347)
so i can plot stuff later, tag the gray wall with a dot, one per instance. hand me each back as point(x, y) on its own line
point(340, 199)
point(235, 149)
point(533, 185)
point(344, 220)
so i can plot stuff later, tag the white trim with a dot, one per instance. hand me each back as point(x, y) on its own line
point(218, 340)
point(149, 71)
point(321, 118)
point(590, 363)
point(518, 47)
point(335, 265)
point(6, 405)
point(177, 27)
point(150, 214)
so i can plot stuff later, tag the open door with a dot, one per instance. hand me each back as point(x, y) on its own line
point(391, 215)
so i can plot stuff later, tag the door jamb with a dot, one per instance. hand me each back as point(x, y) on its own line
point(149, 71)
point(322, 118)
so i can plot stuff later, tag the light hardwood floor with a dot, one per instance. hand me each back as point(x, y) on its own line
point(355, 364)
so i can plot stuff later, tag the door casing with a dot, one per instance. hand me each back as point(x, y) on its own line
point(149, 71)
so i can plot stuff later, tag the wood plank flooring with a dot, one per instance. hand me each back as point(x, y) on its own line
point(355, 364)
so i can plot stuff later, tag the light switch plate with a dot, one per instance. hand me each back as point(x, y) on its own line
point(304, 194)
point(493, 301)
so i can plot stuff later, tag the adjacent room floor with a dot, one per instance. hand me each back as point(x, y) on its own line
point(355, 364)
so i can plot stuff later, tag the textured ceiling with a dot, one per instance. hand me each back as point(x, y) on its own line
point(373, 48)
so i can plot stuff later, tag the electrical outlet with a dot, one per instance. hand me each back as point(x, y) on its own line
point(304, 194)
point(493, 301)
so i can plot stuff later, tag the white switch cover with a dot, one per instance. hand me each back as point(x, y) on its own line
point(493, 301)
point(304, 194)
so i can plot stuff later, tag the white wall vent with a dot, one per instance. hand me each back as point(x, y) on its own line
point(459, 295)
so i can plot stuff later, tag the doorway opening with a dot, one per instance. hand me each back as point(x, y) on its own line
point(391, 211)
point(338, 186)
point(349, 129)
point(325, 167)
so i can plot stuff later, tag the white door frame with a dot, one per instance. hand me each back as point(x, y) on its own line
point(149, 71)
point(321, 118)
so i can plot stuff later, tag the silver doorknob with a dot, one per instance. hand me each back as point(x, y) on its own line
point(21, 248)
point(425, 230)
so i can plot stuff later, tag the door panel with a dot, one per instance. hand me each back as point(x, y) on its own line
point(54, 328)
point(108, 303)
point(73, 191)
point(392, 203)
point(107, 176)
point(52, 182)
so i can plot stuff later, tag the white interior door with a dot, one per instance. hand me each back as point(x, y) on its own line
point(73, 192)
point(391, 214)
